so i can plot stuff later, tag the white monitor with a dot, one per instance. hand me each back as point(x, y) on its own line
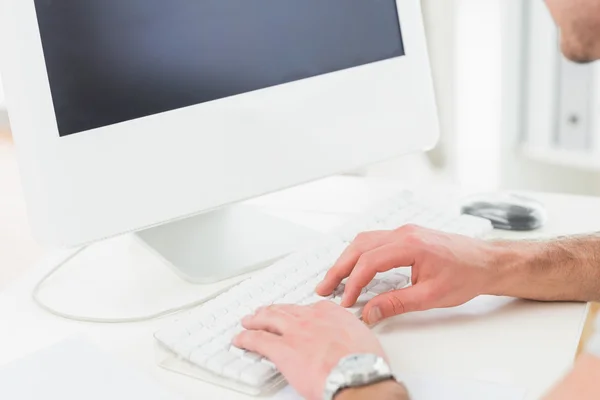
point(133, 114)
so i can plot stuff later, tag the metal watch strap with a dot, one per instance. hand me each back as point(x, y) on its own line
point(356, 370)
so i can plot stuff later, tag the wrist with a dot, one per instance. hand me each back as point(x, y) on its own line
point(386, 390)
point(509, 265)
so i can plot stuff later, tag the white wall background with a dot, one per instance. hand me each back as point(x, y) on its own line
point(478, 94)
point(465, 45)
point(438, 165)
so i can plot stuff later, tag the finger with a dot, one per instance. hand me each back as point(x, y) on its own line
point(270, 319)
point(410, 299)
point(264, 343)
point(381, 259)
point(346, 262)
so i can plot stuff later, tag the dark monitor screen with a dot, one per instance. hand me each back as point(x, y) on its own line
point(110, 61)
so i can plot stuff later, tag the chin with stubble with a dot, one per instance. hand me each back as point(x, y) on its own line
point(579, 25)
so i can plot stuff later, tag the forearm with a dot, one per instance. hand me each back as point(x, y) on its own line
point(388, 390)
point(565, 269)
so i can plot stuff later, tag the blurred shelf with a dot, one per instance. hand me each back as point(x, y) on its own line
point(566, 158)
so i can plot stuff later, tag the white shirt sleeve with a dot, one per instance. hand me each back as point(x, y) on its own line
point(593, 345)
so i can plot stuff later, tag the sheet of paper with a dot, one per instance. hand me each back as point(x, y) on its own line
point(428, 388)
point(75, 370)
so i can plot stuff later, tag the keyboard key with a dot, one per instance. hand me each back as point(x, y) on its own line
point(382, 287)
point(252, 356)
point(268, 362)
point(227, 322)
point(204, 351)
point(214, 346)
point(258, 374)
point(372, 284)
point(339, 291)
point(185, 347)
point(356, 310)
point(336, 300)
point(234, 369)
point(364, 298)
point(399, 281)
point(236, 351)
point(220, 313)
point(245, 311)
point(200, 356)
point(230, 333)
point(246, 298)
point(209, 320)
point(202, 336)
point(218, 361)
point(295, 297)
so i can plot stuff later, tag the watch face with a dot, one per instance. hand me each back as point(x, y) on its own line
point(359, 362)
point(360, 368)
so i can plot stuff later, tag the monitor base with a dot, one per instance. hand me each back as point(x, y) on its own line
point(224, 243)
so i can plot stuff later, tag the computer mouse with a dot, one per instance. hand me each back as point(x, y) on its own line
point(507, 211)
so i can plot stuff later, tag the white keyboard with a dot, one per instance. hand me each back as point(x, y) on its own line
point(203, 335)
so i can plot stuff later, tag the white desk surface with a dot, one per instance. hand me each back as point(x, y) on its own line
point(527, 344)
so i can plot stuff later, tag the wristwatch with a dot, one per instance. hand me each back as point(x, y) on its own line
point(354, 371)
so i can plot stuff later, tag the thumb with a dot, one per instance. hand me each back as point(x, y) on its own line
point(412, 298)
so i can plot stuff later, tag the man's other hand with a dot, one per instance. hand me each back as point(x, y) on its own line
point(306, 342)
point(447, 270)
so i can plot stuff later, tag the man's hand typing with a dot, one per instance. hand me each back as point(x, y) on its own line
point(307, 342)
point(449, 270)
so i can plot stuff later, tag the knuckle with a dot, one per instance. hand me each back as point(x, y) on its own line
point(410, 232)
point(413, 238)
point(364, 261)
point(408, 228)
point(362, 237)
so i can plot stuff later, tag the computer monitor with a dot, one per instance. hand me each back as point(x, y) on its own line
point(140, 115)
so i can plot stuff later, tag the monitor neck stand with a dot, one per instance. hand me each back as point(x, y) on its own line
point(224, 243)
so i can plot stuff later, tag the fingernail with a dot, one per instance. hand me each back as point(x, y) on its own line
point(374, 315)
point(345, 301)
